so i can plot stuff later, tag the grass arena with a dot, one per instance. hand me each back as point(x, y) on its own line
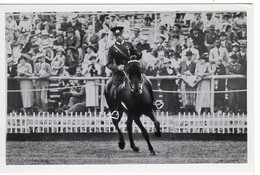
point(199, 141)
point(107, 152)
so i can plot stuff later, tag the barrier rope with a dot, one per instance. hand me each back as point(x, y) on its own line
point(158, 91)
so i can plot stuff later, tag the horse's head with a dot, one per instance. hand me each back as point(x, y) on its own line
point(135, 76)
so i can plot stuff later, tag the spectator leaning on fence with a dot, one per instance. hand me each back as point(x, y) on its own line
point(233, 84)
point(43, 71)
point(187, 68)
point(24, 69)
point(13, 84)
point(219, 85)
point(203, 69)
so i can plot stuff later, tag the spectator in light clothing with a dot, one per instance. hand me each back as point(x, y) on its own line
point(136, 35)
point(43, 71)
point(195, 52)
point(218, 52)
point(123, 22)
point(211, 21)
point(24, 69)
point(197, 22)
point(224, 42)
point(58, 62)
point(175, 61)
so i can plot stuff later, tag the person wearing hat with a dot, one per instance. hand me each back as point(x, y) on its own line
point(242, 58)
point(72, 40)
point(190, 47)
point(198, 40)
point(71, 62)
point(10, 24)
point(46, 41)
point(234, 84)
point(220, 85)
point(64, 25)
point(136, 35)
point(162, 32)
point(187, 68)
point(89, 53)
point(176, 30)
point(210, 38)
point(224, 42)
point(24, 69)
point(203, 68)
point(231, 35)
point(14, 101)
point(235, 50)
point(197, 22)
point(218, 52)
point(113, 20)
point(211, 20)
point(25, 24)
point(43, 71)
point(143, 45)
point(118, 55)
point(175, 60)
point(171, 101)
point(58, 61)
point(123, 22)
point(59, 41)
point(242, 33)
point(187, 65)
point(75, 24)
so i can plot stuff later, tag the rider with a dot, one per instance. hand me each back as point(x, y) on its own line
point(118, 55)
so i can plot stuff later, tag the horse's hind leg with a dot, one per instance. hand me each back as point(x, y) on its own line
point(121, 143)
point(130, 134)
point(156, 123)
point(146, 136)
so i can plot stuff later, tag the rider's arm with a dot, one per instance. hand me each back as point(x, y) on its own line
point(110, 61)
point(135, 52)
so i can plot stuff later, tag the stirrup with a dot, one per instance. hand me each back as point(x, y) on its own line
point(159, 104)
point(115, 115)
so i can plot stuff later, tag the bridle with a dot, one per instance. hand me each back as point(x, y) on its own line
point(130, 82)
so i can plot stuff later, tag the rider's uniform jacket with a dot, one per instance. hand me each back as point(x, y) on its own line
point(115, 58)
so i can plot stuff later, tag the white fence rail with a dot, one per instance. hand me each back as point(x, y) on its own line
point(94, 123)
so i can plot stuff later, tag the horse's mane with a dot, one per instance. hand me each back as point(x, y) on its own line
point(134, 69)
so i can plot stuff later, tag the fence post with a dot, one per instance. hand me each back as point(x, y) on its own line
point(102, 97)
point(212, 95)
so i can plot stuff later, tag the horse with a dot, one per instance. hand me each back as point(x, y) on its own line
point(135, 101)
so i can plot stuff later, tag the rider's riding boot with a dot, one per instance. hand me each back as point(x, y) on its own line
point(157, 104)
point(115, 113)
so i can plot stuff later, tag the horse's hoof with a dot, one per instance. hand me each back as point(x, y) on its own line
point(135, 149)
point(121, 145)
point(153, 153)
point(158, 134)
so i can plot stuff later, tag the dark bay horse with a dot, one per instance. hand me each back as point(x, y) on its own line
point(135, 101)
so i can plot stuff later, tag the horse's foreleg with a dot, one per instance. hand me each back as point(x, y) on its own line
point(121, 143)
point(156, 123)
point(130, 134)
point(146, 136)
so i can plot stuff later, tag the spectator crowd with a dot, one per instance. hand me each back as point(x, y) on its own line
point(191, 46)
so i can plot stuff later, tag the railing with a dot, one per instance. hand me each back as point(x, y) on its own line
point(97, 123)
point(103, 81)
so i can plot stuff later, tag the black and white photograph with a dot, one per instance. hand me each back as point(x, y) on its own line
point(122, 87)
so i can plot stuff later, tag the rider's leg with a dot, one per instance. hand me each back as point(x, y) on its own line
point(156, 103)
